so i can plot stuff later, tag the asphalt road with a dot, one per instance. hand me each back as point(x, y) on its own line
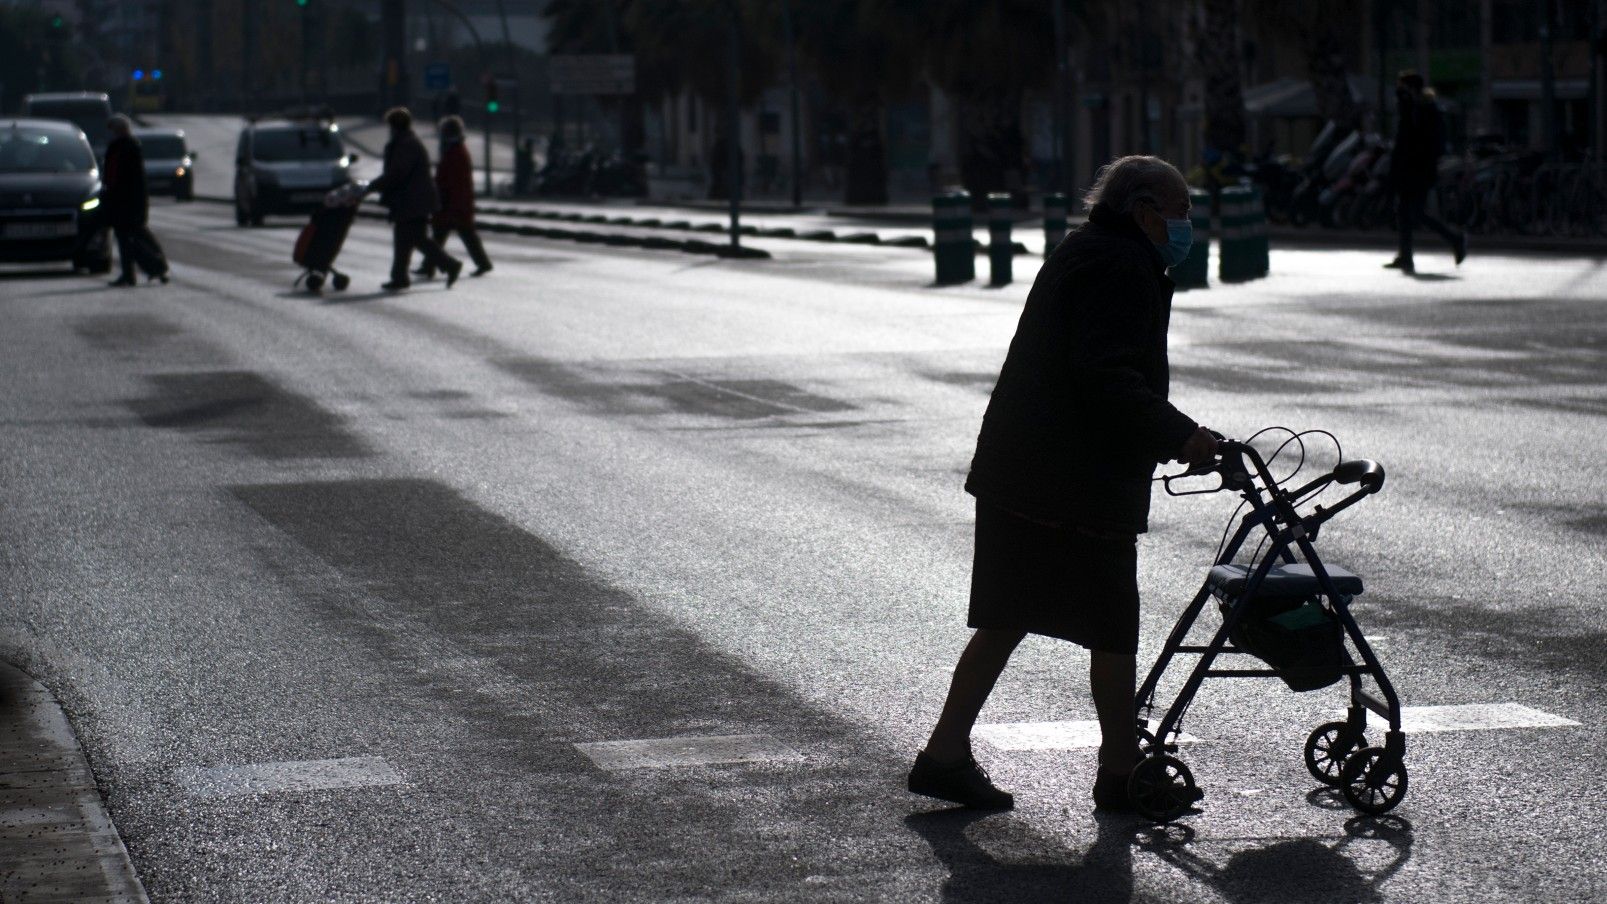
point(342, 593)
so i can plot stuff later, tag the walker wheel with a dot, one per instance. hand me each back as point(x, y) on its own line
point(1327, 748)
point(1373, 780)
point(315, 282)
point(1162, 788)
point(341, 281)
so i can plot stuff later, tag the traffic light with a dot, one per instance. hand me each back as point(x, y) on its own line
point(57, 22)
point(156, 74)
point(139, 74)
point(492, 105)
point(302, 3)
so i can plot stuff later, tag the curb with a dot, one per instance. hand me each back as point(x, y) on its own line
point(60, 843)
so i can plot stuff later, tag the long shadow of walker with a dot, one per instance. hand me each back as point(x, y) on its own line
point(1309, 870)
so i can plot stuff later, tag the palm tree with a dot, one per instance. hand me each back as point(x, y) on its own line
point(1216, 49)
point(985, 55)
point(863, 55)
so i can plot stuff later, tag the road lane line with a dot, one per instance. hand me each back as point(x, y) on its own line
point(295, 775)
point(657, 753)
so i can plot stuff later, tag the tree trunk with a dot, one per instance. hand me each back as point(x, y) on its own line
point(865, 180)
point(992, 149)
point(1325, 65)
point(1218, 54)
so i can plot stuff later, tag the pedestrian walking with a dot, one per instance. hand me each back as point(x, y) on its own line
point(1076, 425)
point(454, 182)
point(524, 166)
point(405, 187)
point(1414, 167)
point(125, 205)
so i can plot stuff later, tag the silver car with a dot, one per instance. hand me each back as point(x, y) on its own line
point(169, 163)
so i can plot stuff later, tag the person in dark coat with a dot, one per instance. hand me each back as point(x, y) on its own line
point(405, 187)
point(1076, 425)
point(454, 182)
point(1414, 167)
point(125, 205)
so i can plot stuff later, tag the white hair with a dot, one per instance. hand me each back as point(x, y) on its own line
point(1125, 181)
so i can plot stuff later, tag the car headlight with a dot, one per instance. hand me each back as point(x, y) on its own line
point(91, 204)
point(178, 173)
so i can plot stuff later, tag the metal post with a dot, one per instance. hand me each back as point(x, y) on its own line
point(1381, 11)
point(792, 90)
point(1486, 48)
point(306, 52)
point(513, 73)
point(733, 129)
point(1059, 143)
point(1548, 79)
point(487, 110)
point(1598, 68)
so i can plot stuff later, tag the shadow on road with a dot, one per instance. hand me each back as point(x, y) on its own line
point(1294, 869)
point(1104, 874)
point(54, 273)
point(1435, 277)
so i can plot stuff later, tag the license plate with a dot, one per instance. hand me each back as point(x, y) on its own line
point(39, 230)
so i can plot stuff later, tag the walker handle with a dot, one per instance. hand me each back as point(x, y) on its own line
point(1369, 473)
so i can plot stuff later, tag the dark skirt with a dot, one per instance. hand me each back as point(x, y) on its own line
point(1061, 582)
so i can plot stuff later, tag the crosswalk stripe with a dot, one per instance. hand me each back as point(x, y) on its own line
point(1477, 717)
point(296, 775)
point(1064, 735)
point(656, 753)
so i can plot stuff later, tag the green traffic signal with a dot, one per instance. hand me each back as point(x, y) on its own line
point(492, 106)
point(57, 22)
point(301, 3)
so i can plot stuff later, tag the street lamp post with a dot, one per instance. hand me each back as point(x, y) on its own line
point(787, 26)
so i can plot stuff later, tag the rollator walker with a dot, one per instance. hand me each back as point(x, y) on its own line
point(1292, 611)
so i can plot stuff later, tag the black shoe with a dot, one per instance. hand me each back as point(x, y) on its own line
point(1461, 248)
point(963, 783)
point(396, 285)
point(453, 272)
point(121, 282)
point(1110, 791)
point(160, 277)
point(1398, 264)
point(481, 271)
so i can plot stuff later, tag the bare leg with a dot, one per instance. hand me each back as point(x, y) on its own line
point(974, 676)
point(1112, 678)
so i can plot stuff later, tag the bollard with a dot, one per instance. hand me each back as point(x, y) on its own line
point(953, 247)
point(1233, 264)
point(1259, 244)
point(1194, 271)
point(1001, 250)
point(1054, 221)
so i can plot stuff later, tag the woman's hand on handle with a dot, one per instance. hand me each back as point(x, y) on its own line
point(1199, 448)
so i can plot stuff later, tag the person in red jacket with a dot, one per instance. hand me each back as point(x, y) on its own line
point(454, 182)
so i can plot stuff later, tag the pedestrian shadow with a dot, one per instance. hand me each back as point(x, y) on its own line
point(1435, 277)
point(1295, 869)
point(1103, 873)
point(349, 297)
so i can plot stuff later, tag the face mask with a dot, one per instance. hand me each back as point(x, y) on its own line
point(1179, 238)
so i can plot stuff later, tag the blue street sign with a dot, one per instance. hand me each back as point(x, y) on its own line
point(437, 77)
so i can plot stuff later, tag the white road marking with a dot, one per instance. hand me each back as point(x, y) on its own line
point(657, 753)
point(1477, 717)
point(1068, 735)
point(299, 775)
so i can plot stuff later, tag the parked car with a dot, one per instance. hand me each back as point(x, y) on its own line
point(49, 192)
point(169, 163)
point(88, 110)
point(287, 167)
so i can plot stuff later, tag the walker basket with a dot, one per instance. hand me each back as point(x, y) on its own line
point(1298, 636)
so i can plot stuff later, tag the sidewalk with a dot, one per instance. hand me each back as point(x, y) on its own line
point(59, 844)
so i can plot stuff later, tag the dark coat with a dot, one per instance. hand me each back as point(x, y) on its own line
point(124, 200)
point(405, 185)
point(1419, 141)
point(1079, 417)
point(454, 182)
